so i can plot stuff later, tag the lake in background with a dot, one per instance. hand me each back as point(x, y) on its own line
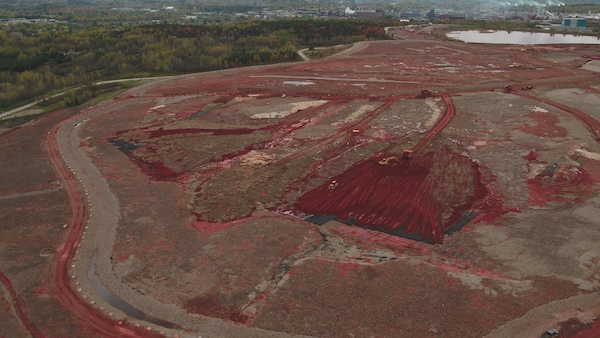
point(521, 38)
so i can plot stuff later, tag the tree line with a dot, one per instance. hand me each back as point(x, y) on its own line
point(38, 58)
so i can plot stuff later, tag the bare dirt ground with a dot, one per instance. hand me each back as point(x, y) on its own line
point(198, 192)
point(33, 211)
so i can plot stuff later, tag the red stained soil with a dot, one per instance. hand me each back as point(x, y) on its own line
point(235, 154)
point(211, 306)
point(16, 307)
point(593, 170)
point(592, 124)
point(209, 228)
point(157, 170)
point(546, 125)
point(532, 156)
point(573, 327)
point(444, 121)
point(566, 183)
point(166, 132)
point(590, 331)
point(327, 293)
point(403, 196)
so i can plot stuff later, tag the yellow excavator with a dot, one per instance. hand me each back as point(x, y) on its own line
point(406, 155)
point(387, 160)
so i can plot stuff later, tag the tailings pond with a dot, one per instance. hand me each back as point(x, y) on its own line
point(521, 38)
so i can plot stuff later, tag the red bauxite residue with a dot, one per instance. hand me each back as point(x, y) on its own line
point(209, 228)
point(412, 197)
point(373, 236)
point(562, 183)
point(156, 170)
point(532, 156)
point(238, 153)
point(490, 207)
point(16, 308)
point(344, 269)
point(565, 184)
point(589, 331)
point(211, 305)
point(167, 132)
point(546, 125)
point(592, 168)
point(40, 290)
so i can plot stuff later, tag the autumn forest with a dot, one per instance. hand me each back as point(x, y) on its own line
point(37, 59)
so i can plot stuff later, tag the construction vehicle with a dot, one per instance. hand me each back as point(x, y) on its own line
point(387, 160)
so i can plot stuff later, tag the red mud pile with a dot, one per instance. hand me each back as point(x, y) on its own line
point(422, 197)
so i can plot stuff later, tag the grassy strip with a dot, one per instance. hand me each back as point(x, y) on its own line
point(83, 96)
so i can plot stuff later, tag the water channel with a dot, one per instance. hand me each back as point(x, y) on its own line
point(521, 38)
point(119, 303)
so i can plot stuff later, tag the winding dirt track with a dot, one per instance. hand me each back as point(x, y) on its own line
point(79, 213)
point(87, 192)
point(61, 280)
point(440, 125)
point(591, 123)
point(65, 253)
